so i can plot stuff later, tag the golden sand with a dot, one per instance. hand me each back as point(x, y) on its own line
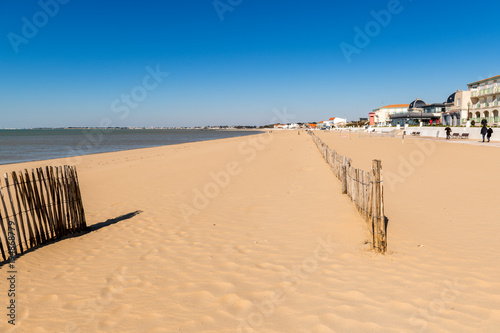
point(252, 234)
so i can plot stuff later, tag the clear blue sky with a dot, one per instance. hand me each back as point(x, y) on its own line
point(87, 56)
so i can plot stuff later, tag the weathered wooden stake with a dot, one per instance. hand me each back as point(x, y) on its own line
point(20, 208)
point(6, 177)
point(379, 239)
point(6, 213)
point(6, 240)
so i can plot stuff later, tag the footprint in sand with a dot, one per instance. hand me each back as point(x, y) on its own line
point(88, 258)
point(115, 316)
point(165, 249)
point(235, 304)
point(151, 254)
point(153, 316)
point(321, 329)
point(94, 252)
point(139, 231)
point(74, 270)
point(134, 244)
point(241, 249)
point(206, 320)
point(307, 169)
point(272, 267)
point(50, 298)
point(219, 288)
point(67, 273)
point(159, 330)
point(23, 313)
point(78, 304)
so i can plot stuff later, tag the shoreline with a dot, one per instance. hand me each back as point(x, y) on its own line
point(77, 156)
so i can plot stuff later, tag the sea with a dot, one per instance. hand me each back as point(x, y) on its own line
point(28, 145)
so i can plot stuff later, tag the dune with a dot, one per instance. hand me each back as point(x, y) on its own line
point(252, 234)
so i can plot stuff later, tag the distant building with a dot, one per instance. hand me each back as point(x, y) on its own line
point(371, 116)
point(336, 121)
point(287, 126)
point(419, 111)
point(456, 109)
point(331, 123)
point(485, 100)
point(321, 125)
point(381, 116)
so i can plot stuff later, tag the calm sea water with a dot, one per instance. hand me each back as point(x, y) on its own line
point(41, 144)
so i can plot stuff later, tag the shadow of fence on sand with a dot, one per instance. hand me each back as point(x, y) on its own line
point(109, 222)
point(85, 231)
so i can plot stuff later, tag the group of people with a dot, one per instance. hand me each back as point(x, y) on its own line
point(486, 131)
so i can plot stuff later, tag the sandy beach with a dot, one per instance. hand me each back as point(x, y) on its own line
point(252, 234)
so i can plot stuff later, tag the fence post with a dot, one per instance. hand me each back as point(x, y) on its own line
point(378, 218)
point(344, 178)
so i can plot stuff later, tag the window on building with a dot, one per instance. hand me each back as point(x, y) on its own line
point(458, 102)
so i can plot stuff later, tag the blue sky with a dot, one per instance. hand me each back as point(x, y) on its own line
point(231, 62)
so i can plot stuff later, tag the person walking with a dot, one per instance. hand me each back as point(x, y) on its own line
point(489, 132)
point(484, 131)
point(448, 131)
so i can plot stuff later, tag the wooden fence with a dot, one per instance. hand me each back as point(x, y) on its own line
point(364, 188)
point(39, 206)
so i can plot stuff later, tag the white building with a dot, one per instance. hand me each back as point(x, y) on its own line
point(332, 122)
point(485, 100)
point(286, 126)
point(381, 116)
point(336, 121)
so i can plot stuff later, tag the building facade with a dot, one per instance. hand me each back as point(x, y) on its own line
point(331, 123)
point(456, 109)
point(381, 116)
point(286, 126)
point(419, 111)
point(485, 100)
point(371, 116)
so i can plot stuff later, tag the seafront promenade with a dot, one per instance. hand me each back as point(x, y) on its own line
point(474, 133)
